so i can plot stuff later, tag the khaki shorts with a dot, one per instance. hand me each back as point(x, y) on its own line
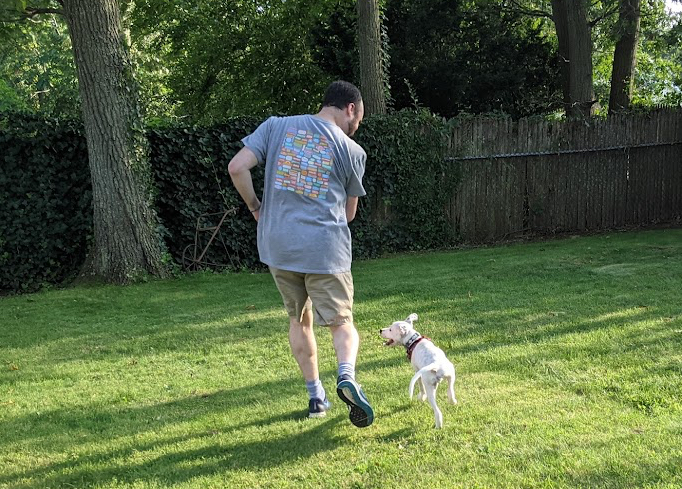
point(329, 296)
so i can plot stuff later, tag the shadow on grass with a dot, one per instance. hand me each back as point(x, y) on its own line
point(119, 420)
point(123, 336)
point(143, 453)
point(165, 459)
point(170, 465)
point(166, 312)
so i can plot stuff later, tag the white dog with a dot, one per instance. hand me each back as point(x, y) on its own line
point(429, 362)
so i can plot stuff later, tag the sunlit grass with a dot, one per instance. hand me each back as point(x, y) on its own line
point(568, 353)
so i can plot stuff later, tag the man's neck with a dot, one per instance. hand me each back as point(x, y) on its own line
point(330, 114)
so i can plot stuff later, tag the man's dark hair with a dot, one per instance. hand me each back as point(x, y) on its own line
point(341, 93)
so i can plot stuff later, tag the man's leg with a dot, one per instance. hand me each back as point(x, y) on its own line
point(304, 349)
point(304, 346)
point(291, 286)
point(332, 296)
point(346, 342)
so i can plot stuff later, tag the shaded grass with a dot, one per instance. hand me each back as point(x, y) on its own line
point(568, 356)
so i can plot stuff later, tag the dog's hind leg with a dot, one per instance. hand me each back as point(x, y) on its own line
point(431, 394)
point(422, 390)
point(451, 388)
point(417, 377)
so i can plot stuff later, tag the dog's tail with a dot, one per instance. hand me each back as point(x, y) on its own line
point(432, 366)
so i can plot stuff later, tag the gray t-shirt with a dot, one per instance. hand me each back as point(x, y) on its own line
point(311, 167)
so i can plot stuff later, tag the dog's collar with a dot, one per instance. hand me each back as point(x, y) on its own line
point(412, 343)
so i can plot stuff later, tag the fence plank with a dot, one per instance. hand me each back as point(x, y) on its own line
point(540, 177)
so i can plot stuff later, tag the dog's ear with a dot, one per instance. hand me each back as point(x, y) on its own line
point(411, 318)
point(404, 328)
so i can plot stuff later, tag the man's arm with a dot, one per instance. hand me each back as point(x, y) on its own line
point(240, 173)
point(351, 208)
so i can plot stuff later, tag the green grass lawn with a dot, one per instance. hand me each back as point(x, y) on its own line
point(568, 355)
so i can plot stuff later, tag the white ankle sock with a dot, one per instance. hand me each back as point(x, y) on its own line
point(315, 389)
point(346, 368)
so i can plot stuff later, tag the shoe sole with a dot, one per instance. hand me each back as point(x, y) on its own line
point(317, 415)
point(361, 413)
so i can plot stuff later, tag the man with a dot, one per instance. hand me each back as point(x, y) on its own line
point(313, 178)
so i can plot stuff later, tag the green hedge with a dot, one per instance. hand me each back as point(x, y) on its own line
point(45, 201)
point(408, 184)
point(190, 170)
point(45, 197)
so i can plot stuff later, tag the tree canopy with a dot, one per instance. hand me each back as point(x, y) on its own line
point(202, 61)
point(37, 72)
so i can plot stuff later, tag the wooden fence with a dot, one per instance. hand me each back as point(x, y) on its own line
point(541, 177)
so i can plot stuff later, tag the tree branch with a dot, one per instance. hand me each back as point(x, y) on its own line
point(606, 13)
point(31, 12)
point(516, 7)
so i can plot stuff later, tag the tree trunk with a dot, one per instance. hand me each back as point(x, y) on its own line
point(126, 244)
point(560, 18)
point(624, 57)
point(570, 18)
point(371, 66)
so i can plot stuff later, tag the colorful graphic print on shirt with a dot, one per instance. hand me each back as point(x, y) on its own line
point(304, 164)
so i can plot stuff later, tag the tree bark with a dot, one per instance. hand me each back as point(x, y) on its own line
point(575, 46)
point(560, 18)
point(624, 56)
point(371, 65)
point(126, 244)
point(580, 51)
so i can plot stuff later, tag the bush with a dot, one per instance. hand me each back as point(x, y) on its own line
point(190, 171)
point(46, 221)
point(408, 183)
point(45, 201)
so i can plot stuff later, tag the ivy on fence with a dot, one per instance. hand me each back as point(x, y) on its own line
point(409, 185)
point(45, 201)
point(45, 196)
point(190, 171)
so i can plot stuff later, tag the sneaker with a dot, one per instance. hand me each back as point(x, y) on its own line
point(350, 392)
point(318, 408)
